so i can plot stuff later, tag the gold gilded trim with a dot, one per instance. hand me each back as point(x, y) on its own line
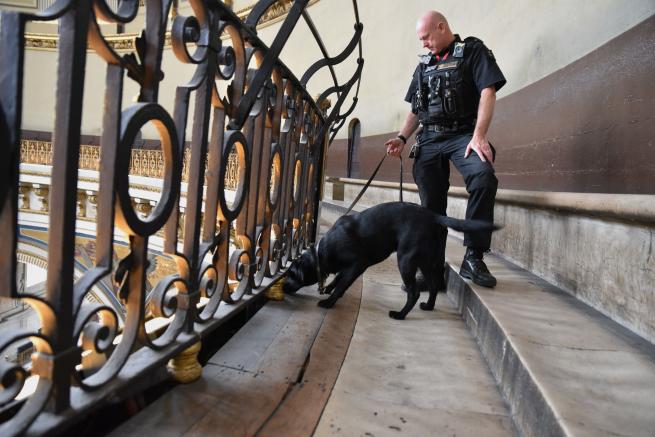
point(274, 13)
point(144, 162)
point(125, 42)
point(49, 41)
point(184, 367)
point(41, 41)
point(31, 4)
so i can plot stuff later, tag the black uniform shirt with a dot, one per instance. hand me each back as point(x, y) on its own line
point(481, 70)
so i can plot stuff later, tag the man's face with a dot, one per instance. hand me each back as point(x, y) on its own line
point(432, 36)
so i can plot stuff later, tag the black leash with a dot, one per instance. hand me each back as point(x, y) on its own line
point(401, 178)
point(314, 247)
point(361, 193)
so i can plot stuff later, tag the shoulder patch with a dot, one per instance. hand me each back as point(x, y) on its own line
point(472, 39)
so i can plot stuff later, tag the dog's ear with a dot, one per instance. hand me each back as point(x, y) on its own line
point(306, 268)
point(294, 277)
point(295, 270)
point(309, 266)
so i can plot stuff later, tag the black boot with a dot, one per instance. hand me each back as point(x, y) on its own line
point(475, 269)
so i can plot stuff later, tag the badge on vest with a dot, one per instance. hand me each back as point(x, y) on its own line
point(447, 65)
point(425, 59)
point(458, 51)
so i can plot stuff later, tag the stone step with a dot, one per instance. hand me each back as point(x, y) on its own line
point(422, 376)
point(562, 367)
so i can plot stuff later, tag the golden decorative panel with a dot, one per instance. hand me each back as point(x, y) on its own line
point(144, 162)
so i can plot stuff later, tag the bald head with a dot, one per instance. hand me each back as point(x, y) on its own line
point(434, 32)
point(430, 20)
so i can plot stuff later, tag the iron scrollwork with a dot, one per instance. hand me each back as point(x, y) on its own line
point(238, 230)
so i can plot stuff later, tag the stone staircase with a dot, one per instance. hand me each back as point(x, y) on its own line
point(524, 358)
point(296, 369)
point(562, 367)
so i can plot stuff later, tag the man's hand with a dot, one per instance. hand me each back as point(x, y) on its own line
point(395, 146)
point(480, 145)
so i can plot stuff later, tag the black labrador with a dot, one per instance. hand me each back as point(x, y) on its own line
point(356, 242)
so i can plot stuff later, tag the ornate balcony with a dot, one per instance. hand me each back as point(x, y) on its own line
point(146, 252)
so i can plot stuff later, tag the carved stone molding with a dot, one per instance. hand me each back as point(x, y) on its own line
point(125, 42)
point(24, 195)
point(143, 207)
point(81, 203)
point(43, 194)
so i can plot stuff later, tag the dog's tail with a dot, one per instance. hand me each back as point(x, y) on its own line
point(466, 225)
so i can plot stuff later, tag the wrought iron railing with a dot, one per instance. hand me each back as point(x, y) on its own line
point(267, 119)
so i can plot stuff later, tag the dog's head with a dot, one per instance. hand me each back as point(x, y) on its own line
point(302, 272)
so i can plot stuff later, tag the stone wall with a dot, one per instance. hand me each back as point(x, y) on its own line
point(597, 248)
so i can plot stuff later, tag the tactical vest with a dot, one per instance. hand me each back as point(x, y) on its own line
point(442, 95)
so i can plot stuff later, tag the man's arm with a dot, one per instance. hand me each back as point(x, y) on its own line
point(479, 143)
point(395, 145)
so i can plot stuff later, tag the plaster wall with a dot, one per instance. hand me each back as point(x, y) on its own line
point(40, 87)
point(530, 39)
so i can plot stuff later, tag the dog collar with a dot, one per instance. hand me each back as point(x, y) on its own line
point(321, 283)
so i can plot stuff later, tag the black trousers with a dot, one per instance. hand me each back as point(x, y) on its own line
point(431, 172)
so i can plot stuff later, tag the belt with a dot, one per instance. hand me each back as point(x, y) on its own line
point(449, 127)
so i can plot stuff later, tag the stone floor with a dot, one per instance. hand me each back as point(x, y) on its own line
point(299, 370)
point(421, 376)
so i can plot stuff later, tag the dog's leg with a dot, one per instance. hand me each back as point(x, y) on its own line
point(412, 297)
point(407, 269)
point(434, 276)
point(328, 288)
point(430, 278)
point(341, 283)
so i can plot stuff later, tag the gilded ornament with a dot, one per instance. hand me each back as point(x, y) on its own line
point(185, 368)
point(275, 292)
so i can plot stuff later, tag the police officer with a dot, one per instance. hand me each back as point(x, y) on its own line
point(453, 93)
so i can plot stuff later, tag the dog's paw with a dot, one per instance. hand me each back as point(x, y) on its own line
point(426, 307)
point(325, 303)
point(396, 315)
